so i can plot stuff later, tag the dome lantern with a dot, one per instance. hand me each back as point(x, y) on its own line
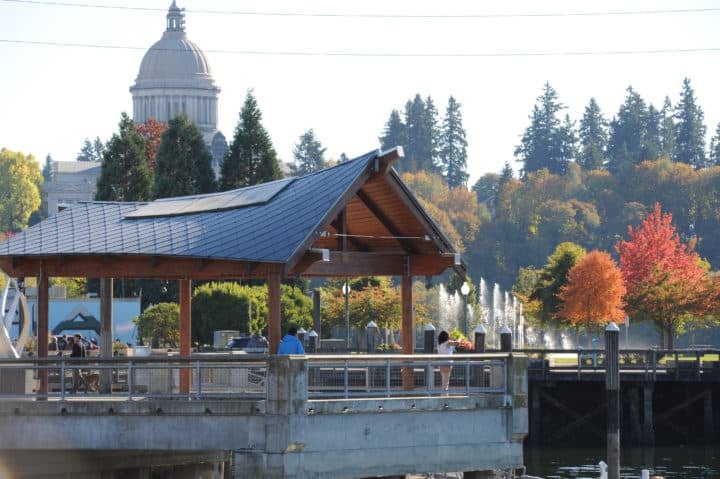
point(175, 19)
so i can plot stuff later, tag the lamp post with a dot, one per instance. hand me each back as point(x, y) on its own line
point(465, 290)
point(346, 292)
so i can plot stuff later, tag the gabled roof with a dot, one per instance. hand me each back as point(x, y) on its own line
point(279, 225)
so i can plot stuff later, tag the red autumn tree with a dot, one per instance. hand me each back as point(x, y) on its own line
point(151, 131)
point(593, 294)
point(665, 278)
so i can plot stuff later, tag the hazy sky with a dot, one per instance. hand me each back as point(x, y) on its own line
point(340, 67)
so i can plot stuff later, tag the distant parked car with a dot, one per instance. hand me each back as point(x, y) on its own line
point(249, 344)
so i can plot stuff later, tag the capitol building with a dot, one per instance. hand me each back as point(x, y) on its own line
point(174, 78)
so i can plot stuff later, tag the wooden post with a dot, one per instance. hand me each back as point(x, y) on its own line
point(42, 324)
point(106, 330)
point(408, 331)
point(274, 330)
point(185, 329)
point(612, 385)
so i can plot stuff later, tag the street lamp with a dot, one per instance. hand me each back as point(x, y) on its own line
point(465, 290)
point(346, 292)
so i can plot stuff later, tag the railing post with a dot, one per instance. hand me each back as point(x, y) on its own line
point(612, 385)
point(130, 379)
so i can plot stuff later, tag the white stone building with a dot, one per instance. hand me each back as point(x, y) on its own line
point(71, 182)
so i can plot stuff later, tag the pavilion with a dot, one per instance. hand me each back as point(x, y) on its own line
point(353, 219)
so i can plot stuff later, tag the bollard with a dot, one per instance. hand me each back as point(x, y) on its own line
point(505, 339)
point(612, 385)
point(429, 339)
point(313, 341)
point(480, 339)
point(301, 335)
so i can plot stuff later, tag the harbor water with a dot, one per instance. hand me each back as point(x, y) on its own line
point(675, 462)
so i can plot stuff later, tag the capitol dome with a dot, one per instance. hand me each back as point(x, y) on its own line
point(175, 78)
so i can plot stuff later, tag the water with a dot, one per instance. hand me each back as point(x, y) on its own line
point(676, 462)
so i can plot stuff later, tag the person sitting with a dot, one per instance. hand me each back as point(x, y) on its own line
point(290, 344)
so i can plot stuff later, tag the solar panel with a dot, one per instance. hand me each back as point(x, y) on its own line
point(184, 205)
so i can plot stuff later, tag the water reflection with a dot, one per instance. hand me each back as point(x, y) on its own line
point(677, 462)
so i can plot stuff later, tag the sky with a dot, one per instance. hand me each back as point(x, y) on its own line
point(340, 68)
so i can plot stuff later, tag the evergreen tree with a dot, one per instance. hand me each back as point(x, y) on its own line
point(652, 144)
point(506, 175)
point(183, 165)
point(547, 142)
point(91, 151)
point(453, 146)
point(421, 135)
point(593, 138)
point(47, 171)
point(124, 174)
point(309, 154)
point(715, 148)
point(667, 130)
point(394, 135)
point(628, 131)
point(690, 129)
point(251, 158)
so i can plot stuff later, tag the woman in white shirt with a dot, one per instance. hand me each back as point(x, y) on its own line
point(446, 347)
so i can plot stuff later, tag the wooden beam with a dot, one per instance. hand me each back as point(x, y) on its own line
point(43, 298)
point(119, 266)
point(366, 264)
point(386, 222)
point(407, 328)
point(185, 328)
point(274, 331)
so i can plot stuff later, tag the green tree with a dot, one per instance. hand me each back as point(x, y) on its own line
point(548, 142)
point(394, 135)
point(453, 146)
point(422, 135)
point(159, 325)
point(183, 165)
point(47, 171)
point(20, 182)
point(553, 277)
point(251, 158)
point(223, 306)
point(593, 138)
point(668, 130)
point(124, 174)
point(627, 144)
point(91, 150)
point(309, 154)
point(486, 188)
point(715, 148)
point(690, 129)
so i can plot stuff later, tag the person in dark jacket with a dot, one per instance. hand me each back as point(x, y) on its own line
point(78, 351)
point(290, 344)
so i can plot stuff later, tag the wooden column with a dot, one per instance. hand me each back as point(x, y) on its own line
point(43, 310)
point(106, 330)
point(408, 333)
point(274, 331)
point(185, 329)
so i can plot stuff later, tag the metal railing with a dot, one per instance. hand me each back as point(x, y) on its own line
point(245, 376)
point(404, 375)
point(651, 364)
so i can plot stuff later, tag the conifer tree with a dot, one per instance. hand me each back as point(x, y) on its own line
point(91, 151)
point(715, 148)
point(183, 165)
point(667, 130)
point(251, 158)
point(547, 142)
point(309, 154)
point(593, 138)
point(628, 133)
point(421, 135)
point(124, 174)
point(690, 129)
point(394, 135)
point(453, 146)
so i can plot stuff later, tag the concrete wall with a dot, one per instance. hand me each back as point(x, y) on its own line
point(287, 435)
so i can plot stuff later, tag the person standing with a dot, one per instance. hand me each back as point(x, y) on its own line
point(78, 351)
point(445, 347)
point(290, 344)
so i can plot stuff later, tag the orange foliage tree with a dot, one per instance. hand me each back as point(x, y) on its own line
point(665, 278)
point(151, 131)
point(593, 294)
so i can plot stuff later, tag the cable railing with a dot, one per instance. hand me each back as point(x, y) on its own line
point(224, 376)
